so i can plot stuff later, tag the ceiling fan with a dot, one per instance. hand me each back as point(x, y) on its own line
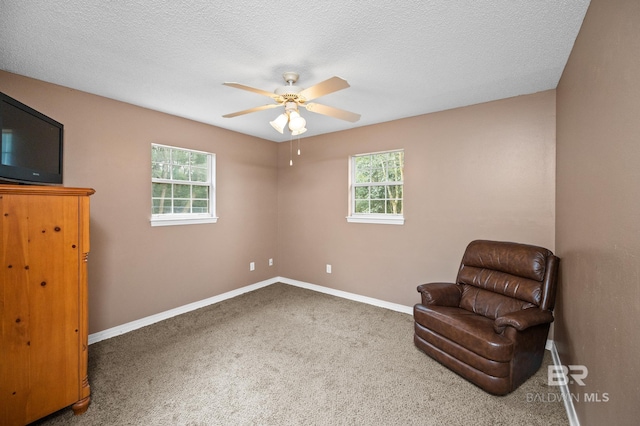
point(292, 97)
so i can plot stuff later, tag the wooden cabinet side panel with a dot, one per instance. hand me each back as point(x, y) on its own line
point(84, 390)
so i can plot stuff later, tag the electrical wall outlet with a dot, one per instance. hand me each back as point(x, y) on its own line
point(270, 262)
point(252, 266)
point(328, 268)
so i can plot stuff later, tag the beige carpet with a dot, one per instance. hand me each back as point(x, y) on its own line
point(283, 355)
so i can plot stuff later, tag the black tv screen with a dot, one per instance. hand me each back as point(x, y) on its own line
point(31, 144)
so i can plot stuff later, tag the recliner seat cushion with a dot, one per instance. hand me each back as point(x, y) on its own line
point(469, 330)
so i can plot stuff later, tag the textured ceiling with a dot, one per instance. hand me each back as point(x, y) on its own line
point(402, 58)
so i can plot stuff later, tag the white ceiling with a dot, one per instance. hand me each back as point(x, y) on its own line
point(402, 58)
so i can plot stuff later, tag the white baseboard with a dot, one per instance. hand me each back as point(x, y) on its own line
point(351, 296)
point(566, 395)
point(152, 319)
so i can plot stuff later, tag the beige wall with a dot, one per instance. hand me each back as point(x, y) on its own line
point(484, 171)
point(136, 270)
point(598, 205)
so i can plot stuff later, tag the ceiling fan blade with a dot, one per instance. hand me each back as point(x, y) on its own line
point(254, 90)
point(247, 111)
point(324, 88)
point(333, 112)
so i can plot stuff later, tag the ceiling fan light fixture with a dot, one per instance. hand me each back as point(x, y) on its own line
point(280, 122)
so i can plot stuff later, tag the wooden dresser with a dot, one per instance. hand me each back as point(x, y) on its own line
point(43, 301)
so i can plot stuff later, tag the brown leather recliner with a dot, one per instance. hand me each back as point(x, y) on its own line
point(491, 326)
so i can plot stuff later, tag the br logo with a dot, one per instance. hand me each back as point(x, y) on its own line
point(560, 375)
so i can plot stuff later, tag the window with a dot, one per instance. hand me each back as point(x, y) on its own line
point(377, 188)
point(182, 186)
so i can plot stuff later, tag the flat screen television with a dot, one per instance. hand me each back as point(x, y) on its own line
point(31, 144)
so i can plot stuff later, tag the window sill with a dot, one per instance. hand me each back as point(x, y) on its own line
point(182, 221)
point(381, 220)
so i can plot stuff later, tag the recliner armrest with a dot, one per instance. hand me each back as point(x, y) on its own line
point(521, 320)
point(441, 294)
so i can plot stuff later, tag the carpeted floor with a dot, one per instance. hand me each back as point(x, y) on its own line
point(282, 355)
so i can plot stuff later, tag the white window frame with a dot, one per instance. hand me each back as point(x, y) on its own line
point(376, 218)
point(169, 219)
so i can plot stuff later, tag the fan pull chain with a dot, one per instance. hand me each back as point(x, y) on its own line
point(298, 145)
point(291, 151)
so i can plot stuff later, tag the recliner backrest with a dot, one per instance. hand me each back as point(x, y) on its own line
point(501, 277)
